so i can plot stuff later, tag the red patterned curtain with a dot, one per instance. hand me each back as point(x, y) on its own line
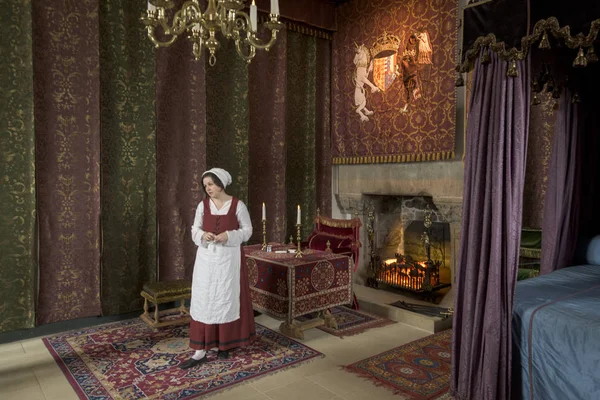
point(181, 156)
point(67, 127)
point(267, 103)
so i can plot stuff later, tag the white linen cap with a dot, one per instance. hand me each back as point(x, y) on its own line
point(223, 175)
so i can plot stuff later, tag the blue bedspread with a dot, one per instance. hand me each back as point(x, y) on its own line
point(556, 335)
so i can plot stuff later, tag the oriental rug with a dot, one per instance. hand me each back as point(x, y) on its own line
point(353, 322)
point(419, 370)
point(128, 360)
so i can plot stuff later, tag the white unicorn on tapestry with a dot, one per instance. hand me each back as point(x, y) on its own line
point(364, 66)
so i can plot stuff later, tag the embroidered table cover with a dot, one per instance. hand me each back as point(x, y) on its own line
point(286, 287)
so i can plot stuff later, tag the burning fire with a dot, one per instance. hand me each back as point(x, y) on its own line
point(405, 275)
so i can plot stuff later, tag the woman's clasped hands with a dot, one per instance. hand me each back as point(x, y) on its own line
point(211, 237)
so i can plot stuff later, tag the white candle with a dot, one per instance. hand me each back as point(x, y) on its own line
point(298, 219)
point(253, 18)
point(275, 7)
point(264, 212)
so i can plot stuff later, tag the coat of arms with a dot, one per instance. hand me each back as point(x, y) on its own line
point(390, 58)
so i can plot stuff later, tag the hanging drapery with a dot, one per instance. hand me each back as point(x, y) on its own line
point(128, 148)
point(323, 127)
point(267, 105)
point(227, 117)
point(300, 124)
point(122, 136)
point(181, 156)
point(542, 120)
point(561, 205)
point(67, 124)
point(17, 170)
point(490, 234)
point(290, 135)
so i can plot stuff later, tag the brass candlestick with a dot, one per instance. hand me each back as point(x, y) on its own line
point(298, 238)
point(264, 243)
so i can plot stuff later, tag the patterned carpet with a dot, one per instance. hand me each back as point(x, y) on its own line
point(352, 322)
point(127, 360)
point(419, 370)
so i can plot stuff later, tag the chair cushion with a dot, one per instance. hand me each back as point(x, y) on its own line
point(169, 288)
point(531, 243)
point(526, 273)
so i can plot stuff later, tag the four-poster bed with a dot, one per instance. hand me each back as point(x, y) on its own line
point(547, 320)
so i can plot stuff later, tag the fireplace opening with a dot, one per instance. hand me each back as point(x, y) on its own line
point(419, 259)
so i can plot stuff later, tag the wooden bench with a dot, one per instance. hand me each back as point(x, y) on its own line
point(165, 292)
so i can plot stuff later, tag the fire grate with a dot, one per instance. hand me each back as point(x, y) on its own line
point(404, 273)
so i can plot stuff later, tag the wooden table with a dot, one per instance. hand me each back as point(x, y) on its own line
point(285, 287)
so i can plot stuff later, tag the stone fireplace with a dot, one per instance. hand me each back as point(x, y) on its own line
point(396, 197)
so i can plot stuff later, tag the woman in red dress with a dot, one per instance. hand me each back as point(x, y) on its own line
point(221, 308)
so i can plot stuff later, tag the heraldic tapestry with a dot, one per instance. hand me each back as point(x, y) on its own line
point(394, 97)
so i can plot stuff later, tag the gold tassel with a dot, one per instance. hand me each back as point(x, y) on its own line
point(580, 60)
point(512, 69)
point(536, 100)
point(485, 57)
point(556, 92)
point(591, 56)
point(550, 84)
point(545, 43)
point(459, 80)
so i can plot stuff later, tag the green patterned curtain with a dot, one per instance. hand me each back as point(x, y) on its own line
point(17, 169)
point(300, 124)
point(227, 117)
point(128, 190)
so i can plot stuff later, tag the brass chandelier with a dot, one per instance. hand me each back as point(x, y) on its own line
point(225, 16)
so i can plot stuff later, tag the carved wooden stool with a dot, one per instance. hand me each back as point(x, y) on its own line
point(165, 292)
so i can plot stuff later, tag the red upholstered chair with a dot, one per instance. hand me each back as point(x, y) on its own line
point(343, 236)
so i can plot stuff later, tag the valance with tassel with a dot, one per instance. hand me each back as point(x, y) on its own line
point(542, 31)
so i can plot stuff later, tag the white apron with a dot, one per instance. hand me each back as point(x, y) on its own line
point(216, 284)
point(216, 279)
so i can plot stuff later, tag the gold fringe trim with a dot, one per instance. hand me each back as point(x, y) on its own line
point(550, 26)
point(338, 223)
point(443, 155)
point(303, 29)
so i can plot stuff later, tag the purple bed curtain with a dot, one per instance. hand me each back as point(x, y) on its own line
point(561, 204)
point(496, 150)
